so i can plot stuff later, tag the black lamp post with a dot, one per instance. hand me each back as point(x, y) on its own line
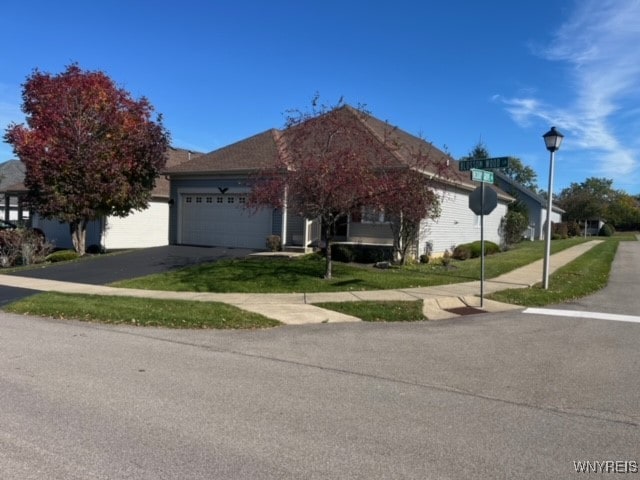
point(552, 140)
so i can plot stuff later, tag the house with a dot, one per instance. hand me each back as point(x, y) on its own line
point(536, 205)
point(11, 176)
point(209, 194)
point(144, 228)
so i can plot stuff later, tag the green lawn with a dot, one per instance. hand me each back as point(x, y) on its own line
point(585, 275)
point(139, 311)
point(379, 311)
point(304, 274)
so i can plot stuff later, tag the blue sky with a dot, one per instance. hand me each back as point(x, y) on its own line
point(457, 72)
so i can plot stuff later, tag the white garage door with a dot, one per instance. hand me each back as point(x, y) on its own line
point(222, 220)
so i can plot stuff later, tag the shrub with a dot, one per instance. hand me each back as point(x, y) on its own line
point(94, 249)
point(446, 258)
point(474, 250)
point(62, 256)
point(560, 229)
point(606, 230)
point(348, 253)
point(573, 229)
point(424, 258)
point(513, 225)
point(462, 252)
point(274, 243)
point(22, 247)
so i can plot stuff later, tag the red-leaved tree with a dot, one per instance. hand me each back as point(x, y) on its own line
point(335, 161)
point(90, 149)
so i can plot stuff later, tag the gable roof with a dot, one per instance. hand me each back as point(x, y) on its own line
point(524, 190)
point(12, 173)
point(265, 149)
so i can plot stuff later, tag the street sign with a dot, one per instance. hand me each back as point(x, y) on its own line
point(483, 176)
point(495, 162)
point(483, 201)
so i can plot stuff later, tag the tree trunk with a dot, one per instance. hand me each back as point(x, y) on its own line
point(78, 230)
point(328, 237)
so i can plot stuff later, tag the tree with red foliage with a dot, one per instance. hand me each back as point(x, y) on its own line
point(90, 150)
point(332, 164)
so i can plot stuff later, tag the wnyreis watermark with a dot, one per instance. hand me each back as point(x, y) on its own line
point(606, 466)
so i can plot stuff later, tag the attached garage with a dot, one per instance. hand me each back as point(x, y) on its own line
point(217, 219)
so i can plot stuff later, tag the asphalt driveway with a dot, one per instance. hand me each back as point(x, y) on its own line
point(105, 269)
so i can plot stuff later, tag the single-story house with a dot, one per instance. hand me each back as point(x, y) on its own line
point(208, 198)
point(536, 205)
point(140, 229)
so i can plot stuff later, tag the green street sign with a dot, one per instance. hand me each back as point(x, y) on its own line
point(481, 176)
point(495, 162)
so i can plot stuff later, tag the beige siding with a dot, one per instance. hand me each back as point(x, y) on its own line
point(377, 233)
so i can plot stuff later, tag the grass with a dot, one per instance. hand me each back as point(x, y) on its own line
point(304, 274)
point(139, 311)
point(585, 275)
point(379, 311)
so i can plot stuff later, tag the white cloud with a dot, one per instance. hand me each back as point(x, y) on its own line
point(598, 43)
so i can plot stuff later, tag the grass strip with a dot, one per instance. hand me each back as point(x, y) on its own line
point(139, 311)
point(379, 311)
point(585, 275)
point(304, 274)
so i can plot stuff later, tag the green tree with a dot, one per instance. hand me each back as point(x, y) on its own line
point(623, 212)
point(587, 200)
point(516, 170)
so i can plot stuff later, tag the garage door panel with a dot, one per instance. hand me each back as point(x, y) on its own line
point(222, 220)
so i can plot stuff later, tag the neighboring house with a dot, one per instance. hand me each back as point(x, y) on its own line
point(140, 229)
point(11, 176)
point(536, 205)
point(209, 194)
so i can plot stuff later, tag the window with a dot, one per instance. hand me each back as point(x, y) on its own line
point(198, 199)
point(219, 200)
point(188, 199)
point(242, 200)
point(209, 200)
point(230, 199)
point(371, 215)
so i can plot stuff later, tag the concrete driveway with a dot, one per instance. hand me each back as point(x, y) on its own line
point(105, 269)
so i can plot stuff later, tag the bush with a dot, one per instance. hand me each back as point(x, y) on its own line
point(94, 249)
point(573, 229)
point(22, 247)
point(513, 225)
point(62, 256)
point(560, 229)
point(606, 230)
point(347, 253)
point(273, 243)
point(474, 250)
point(424, 258)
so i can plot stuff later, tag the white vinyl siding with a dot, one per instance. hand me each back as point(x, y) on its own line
point(457, 224)
point(140, 229)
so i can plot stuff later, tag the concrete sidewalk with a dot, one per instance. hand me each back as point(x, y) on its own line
point(298, 308)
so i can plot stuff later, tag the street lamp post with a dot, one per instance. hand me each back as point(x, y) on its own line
point(552, 140)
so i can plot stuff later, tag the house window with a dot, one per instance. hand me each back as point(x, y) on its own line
point(188, 199)
point(198, 199)
point(370, 215)
point(230, 199)
point(242, 200)
point(219, 200)
point(209, 200)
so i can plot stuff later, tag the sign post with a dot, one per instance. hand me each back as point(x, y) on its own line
point(482, 201)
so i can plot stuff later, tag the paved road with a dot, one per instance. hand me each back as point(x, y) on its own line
point(490, 396)
point(105, 269)
point(508, 395)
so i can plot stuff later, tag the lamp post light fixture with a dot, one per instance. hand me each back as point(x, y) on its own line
point(552, 140)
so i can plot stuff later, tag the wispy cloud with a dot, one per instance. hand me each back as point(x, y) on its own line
point(598, 43)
